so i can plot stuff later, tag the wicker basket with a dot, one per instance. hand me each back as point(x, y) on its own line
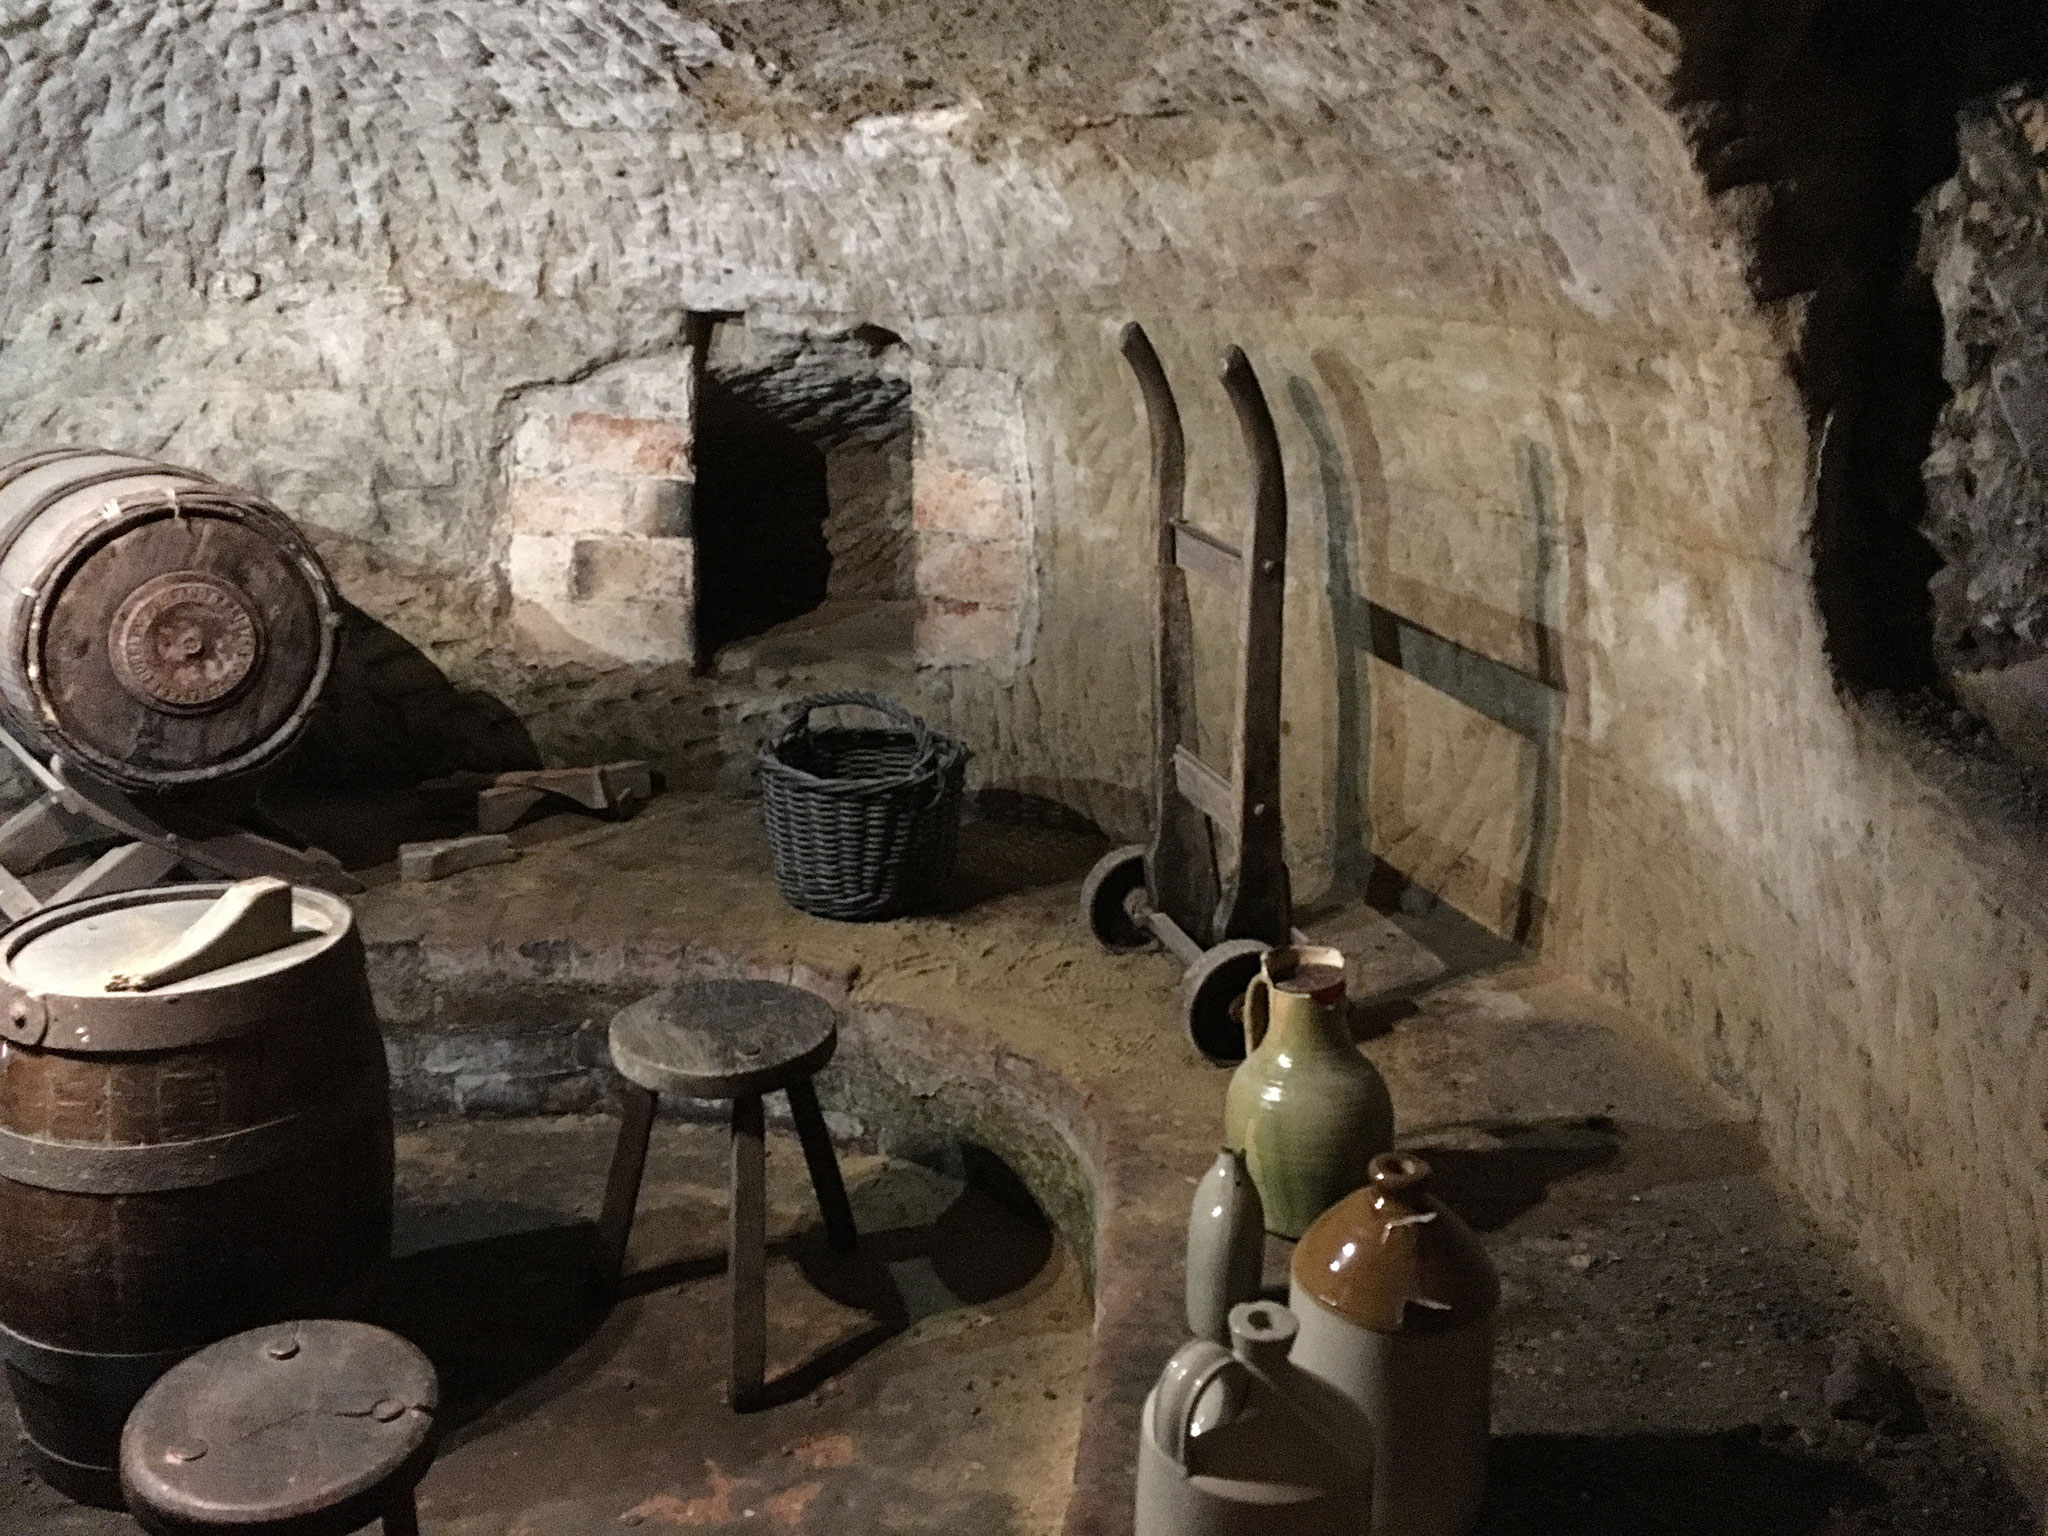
point(864, 822)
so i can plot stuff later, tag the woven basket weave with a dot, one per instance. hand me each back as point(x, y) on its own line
point(864, 822)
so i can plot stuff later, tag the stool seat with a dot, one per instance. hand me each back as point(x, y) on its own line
point(310, 1428)
point(723, 1039)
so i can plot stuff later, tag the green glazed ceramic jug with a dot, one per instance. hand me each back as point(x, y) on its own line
point(1306, 1109)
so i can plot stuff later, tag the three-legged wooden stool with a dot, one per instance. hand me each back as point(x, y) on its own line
point(736, 1040)
point(305, 1429)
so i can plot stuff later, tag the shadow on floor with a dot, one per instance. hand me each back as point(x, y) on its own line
point(363, 828)
point(1489, 1186)
point(1001, 858)
point(493, 1313)
point(387, 719)
point(981, 1249)
point(1736, 1483)
point(1464, 947)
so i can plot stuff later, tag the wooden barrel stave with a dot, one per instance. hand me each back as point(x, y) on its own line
point(139, 1274)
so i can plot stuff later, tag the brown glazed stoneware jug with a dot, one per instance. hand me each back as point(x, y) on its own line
point(1395, 1298)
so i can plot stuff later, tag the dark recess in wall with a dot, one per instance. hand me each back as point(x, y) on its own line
point(759, 518)
point(1830, 120)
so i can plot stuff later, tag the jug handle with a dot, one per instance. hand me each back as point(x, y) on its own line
point(1258, 1006)
point(1187, 1377)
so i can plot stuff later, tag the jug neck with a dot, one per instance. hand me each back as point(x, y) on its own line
point(1299, 1022)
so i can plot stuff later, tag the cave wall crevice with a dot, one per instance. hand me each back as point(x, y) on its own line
point(1822, 127)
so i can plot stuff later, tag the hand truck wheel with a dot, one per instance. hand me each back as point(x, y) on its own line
point(1104, 901)
point(1208, 989)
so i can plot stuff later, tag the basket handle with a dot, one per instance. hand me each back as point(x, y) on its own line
point(939, 744)
point(798, 725)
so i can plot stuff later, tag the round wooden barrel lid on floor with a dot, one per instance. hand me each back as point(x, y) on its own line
point(306, 1429)
point(179, 1164)
point(157, 627)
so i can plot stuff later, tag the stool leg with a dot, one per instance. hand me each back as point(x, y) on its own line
point(402, 1518)
point(747, 1256)
point(622, 1188)
point(823, 1162)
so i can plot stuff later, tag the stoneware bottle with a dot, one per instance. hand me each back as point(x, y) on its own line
point(1237, 1442)
point(1395, 1299)
point(1226, 1246)
point(1306, 1109)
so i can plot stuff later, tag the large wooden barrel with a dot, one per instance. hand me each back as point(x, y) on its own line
point(175, 1165)
point(157, 627)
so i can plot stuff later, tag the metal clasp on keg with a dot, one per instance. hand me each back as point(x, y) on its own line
point(26, 1019)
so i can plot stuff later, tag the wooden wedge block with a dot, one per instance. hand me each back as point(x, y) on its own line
point(608, 787)
point(451, 856)
point(500, 809)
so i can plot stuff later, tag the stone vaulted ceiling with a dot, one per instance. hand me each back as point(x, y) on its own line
point(916, 159)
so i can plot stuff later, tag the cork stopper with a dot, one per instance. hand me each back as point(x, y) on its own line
point(1394, 1258)
point(1309, 970)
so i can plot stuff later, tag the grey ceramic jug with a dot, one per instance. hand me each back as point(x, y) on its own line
point(1237, 1442)
point(1226, 1246)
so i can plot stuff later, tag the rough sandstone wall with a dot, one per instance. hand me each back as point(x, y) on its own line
point(1985, 245)
point(1553, 648)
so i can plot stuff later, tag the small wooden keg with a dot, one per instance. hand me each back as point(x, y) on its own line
point(181, 1163)
point(157, 627)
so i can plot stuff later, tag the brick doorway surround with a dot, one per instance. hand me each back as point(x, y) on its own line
point(600, 555)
